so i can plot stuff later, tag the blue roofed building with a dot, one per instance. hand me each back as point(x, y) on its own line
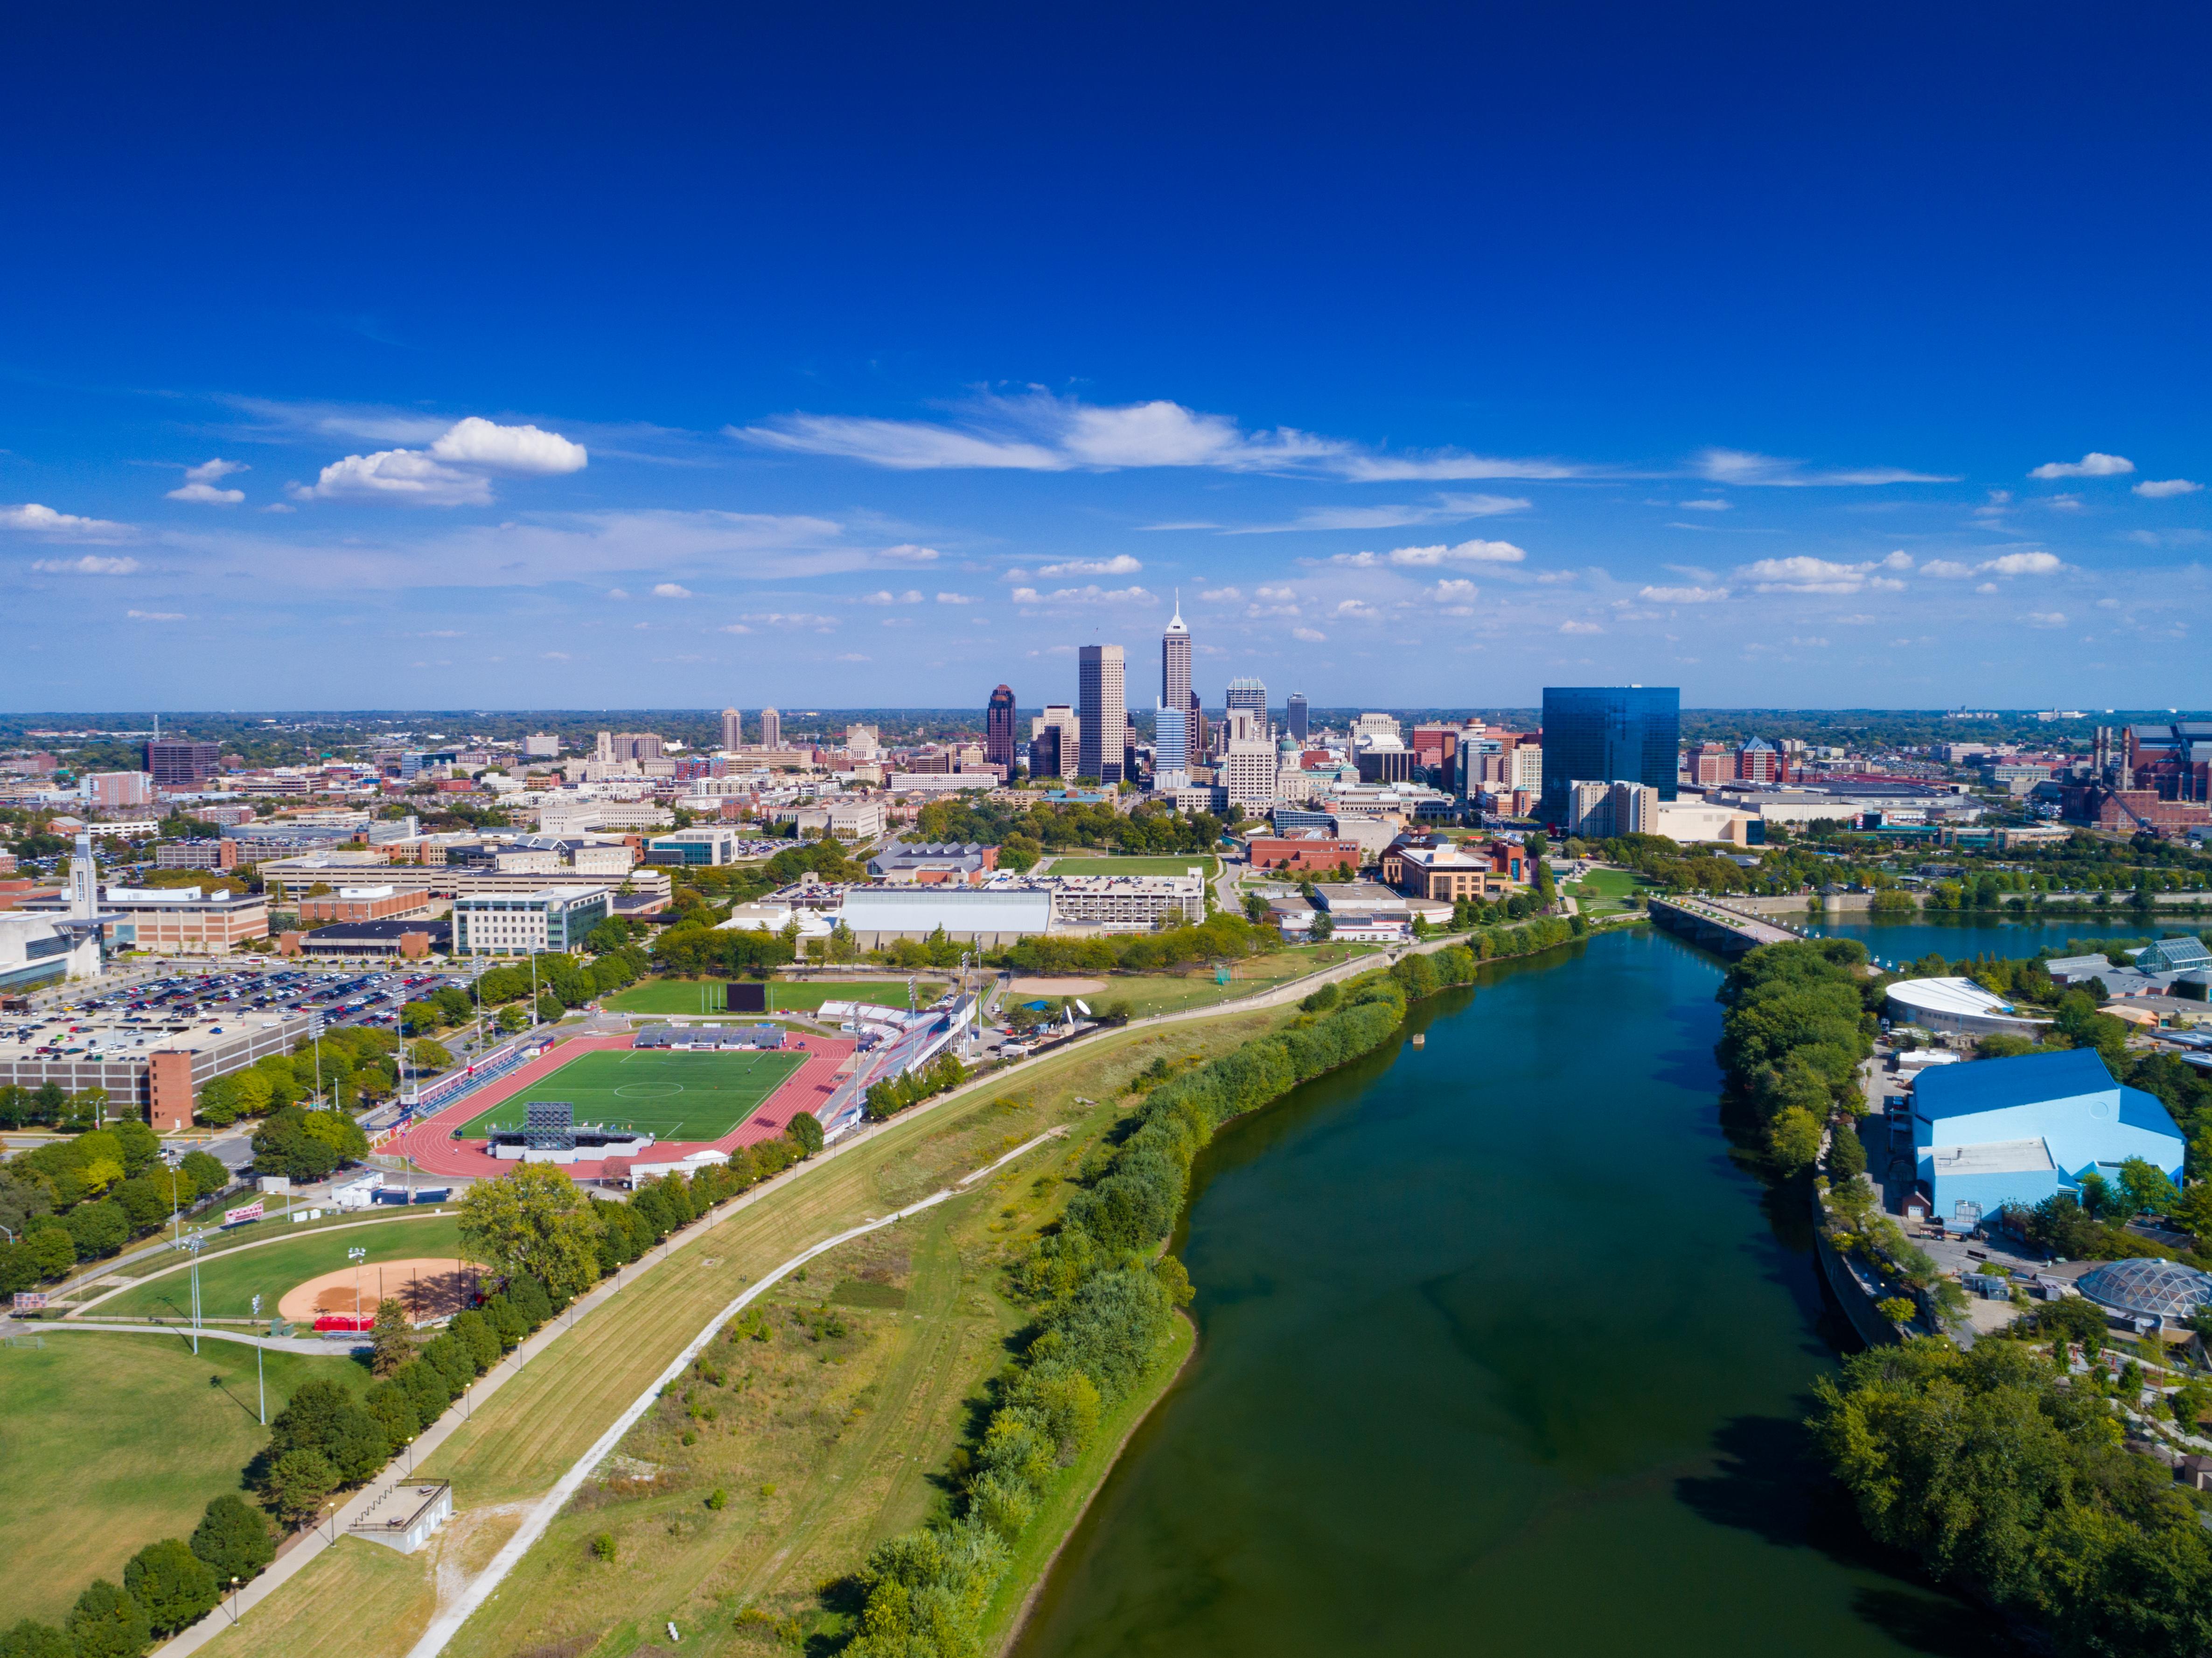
point(1998, 1132)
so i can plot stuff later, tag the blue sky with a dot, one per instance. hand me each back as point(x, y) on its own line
point(1850, 355)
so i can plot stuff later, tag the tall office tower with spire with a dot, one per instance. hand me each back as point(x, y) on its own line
point(771, 729)
point(1294, 715)
point(1102, 712)
point(734, 729)
point(999, 730)
point(1175, 682)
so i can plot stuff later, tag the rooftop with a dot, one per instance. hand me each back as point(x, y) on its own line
point(1955, 998)
point(120, 1037)
point(1959, 1091)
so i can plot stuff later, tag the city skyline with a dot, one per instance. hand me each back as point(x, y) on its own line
point(1832, 443)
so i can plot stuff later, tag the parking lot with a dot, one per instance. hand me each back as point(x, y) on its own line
point(341, 998)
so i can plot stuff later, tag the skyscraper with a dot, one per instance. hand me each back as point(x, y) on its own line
point(1102, 712)
point(1294, 715)
point(999, 729)
point(175, 764)
point(1174, 680)
point(1251, 696)
point(771, 729)
point(1608, 734)
point(734, 729)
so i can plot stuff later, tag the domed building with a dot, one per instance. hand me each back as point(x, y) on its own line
point(2148, 1289)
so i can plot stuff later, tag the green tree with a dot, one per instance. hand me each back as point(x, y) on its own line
point(1794, 1138)
point(391, 1338)
point(2146, 1189)
point(107, 1623)
point(206, 1172)
point(171, 1583)
point(805, 1129)
point(299, 1482)
point(234, 1539)
point(32, 1639)
point(536, 1224)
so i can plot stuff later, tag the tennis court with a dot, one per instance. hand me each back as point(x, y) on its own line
point(672, 1095)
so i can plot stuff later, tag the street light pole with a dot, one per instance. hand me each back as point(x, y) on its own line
point(260, 1378)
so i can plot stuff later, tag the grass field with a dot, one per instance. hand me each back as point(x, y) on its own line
point(1203, 861)
point(822, 1446)
point(110, 1441)
point(678, 997)
point(228, 1282)
point(1603, 891)
point(1173, 993)
point(672, 1095)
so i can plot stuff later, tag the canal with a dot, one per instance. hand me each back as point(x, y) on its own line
point(1501, 1353)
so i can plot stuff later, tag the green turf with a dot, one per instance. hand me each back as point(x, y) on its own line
point(1203, 860)
point(229, 1282)
point(678, 997)
point(670, 1096)
point(112, 1441)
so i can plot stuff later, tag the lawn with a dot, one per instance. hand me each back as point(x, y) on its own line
point(672, 1096)
point(678, 997)
point(110, 1441)
point(1181, 865)
point(1605, 890)
point(1174, 992)
point(229, 1282)
point(851, 1433)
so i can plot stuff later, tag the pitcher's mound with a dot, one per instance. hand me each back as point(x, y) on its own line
point(1056, 986)
point(428, 1287)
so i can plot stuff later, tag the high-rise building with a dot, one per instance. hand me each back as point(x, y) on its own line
point(771, 729)
point(541, 745)
point(1045, 752)
point(1758, 761)
point(734, 729)
point(1102, 712)
point(1170, 746)
point(999, 730)
point(107, 789)
point(634, 745)
point(1251, 696)
point(1174, 678)
point(177, 764)
point(1608, 734)
point(1296, 716)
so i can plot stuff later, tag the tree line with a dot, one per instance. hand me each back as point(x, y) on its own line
point(82, 1199)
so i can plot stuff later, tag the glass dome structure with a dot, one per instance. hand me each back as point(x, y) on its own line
point(2148, 1289)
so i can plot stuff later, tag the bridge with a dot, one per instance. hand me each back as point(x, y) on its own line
point(1727, 932)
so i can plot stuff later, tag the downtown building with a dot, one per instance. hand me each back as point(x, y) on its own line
point(1608, 734)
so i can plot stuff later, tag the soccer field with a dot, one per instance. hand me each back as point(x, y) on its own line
point(671, 1095)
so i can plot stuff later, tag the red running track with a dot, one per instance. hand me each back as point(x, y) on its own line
point(429, 1142)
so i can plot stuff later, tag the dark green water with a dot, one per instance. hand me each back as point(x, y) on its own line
point(1500, 1354)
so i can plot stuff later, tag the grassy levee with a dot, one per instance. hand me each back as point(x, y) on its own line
point(228, 1282)
point(109, 1441)
point(853, 1433)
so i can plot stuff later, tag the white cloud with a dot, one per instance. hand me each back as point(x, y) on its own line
point(853, 656)
point(1023, 596)
point(1741, 467)
point(558, 656)
point(1683, 595)
point(1090, 594)
point(1947, 569)
point(1224, 596)
point(1357, 608)
point(2024, 564)
point(207, 495)
point(2046, 618)
point(477, 442)
point(1419, 558)
point(1274, 595)
point(1802, 574)
point(907, 553)
point(1453, 592)
point(2091, 465)
point(1580, 628)
point(1445, 509)
point(45, 521)
point(669, 590)
point(734, 627)
point(1708, 506)
point(1695, 572)
point(397, 475)
point(793, 619)
point(200, 481)
point(954, 599)
point(156, 615)
point(886, 597)
point(2160, 488)
point(450, 473)
point(1120, 564)
point(90, 564)
point(1311, 636)
point(1038, 432)
point(617, 593)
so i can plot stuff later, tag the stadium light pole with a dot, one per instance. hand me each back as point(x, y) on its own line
point(260, 1379)
point(355, 1255)
point(191, 1244)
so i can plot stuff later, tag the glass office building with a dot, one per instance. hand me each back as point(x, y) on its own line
point(1608, 734)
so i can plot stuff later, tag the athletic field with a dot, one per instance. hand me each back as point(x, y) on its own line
point(671, 1095)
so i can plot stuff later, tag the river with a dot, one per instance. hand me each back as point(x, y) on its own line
point(1903, 940)
point(1501, 1353)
